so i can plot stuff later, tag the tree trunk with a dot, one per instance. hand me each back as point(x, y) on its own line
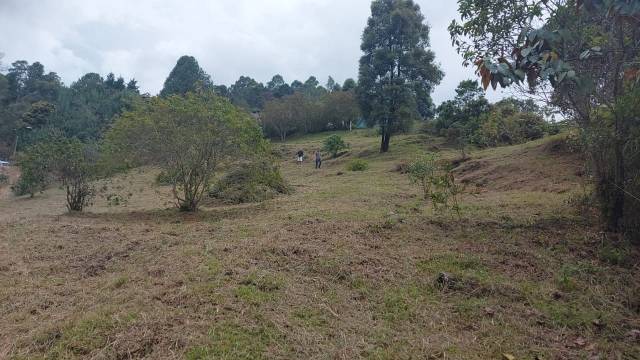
point(384, 145)
point(616, 213)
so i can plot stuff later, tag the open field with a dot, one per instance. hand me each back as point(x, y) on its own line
point(343, 268)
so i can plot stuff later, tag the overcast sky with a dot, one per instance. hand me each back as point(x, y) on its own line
point(143, 39)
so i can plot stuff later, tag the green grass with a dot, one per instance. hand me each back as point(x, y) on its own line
point(229, 341)
point(258, 289)
point(311, 317)
point(84, 336)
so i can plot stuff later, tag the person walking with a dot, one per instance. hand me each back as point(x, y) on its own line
point(300, 157)
point(318, 159)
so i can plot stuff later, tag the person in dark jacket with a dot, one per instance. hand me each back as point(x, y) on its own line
point(300, 157)
point(318, 160)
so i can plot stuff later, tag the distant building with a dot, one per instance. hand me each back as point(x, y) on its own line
point(4, 163)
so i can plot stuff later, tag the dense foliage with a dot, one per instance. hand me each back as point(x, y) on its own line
point(471, 119)
point(34, 104)
point(397, 71)
point(304, 114)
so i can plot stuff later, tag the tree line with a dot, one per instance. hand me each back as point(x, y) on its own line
point(35, 103)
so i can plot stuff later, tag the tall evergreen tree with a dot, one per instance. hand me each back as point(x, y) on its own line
point(186, 76)
point(397, 71)
point(132, 85)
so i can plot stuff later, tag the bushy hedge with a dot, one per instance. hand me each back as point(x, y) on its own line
point(254, 182)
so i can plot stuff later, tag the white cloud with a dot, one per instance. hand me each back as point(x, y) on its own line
point(143, 39)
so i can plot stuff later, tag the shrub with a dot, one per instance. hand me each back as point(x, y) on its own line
point(255, 182)
point(437, 183)
point(422, 171)
point(334, 144)
point(68, 161)
point(358, 165)
point(35, 176)
point(506, 126)
point(188, 137)
point(4, 179)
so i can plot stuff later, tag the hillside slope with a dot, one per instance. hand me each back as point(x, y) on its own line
point(345, 267)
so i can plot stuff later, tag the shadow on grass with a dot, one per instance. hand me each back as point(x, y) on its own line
point(174, 215)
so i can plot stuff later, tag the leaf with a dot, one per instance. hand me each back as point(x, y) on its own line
point(508, 357)
point(486, 77)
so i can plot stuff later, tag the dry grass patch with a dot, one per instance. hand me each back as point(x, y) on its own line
point(344, 267)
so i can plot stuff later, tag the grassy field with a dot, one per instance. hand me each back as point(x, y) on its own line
point(343, 268)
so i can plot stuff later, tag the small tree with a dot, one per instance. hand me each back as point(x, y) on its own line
point(74, 165)
point(67, 161)
point(34, 176)
point(334, 144)
point(188, 138)
point(437, 183)
point(422, 171)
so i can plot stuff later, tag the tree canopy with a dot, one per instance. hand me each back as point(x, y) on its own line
point(187, 76)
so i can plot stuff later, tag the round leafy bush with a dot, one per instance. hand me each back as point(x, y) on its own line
point(334, 144)
point(358, 165)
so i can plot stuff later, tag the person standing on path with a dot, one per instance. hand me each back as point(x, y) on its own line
point(318, 159)
point(300, 157)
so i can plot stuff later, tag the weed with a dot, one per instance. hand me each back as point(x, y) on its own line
point(358, 165)
point(213, 267)
point(616, 254)
point(120, 282)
